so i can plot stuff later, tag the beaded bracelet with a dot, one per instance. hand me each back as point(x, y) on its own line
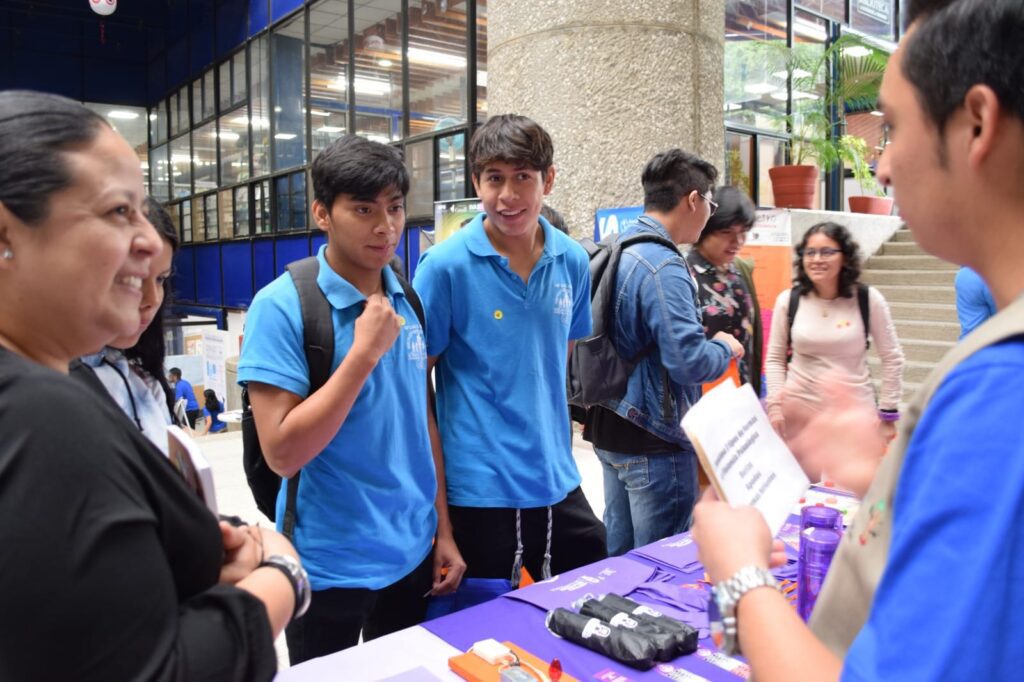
point(889, 415)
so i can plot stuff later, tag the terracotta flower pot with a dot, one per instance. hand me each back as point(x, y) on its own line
point(872, 205)
point(794, 186)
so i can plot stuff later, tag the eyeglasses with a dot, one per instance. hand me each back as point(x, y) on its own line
point(826, 252)
point(711, 203)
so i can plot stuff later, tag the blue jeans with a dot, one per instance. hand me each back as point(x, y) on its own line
point(647, 497)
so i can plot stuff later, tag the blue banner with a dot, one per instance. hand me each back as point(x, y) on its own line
point(609, 221)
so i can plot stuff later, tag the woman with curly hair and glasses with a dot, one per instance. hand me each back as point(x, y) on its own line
point(827, 339)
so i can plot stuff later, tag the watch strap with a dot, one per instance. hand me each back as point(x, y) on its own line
point(726, 596)
point(296, 575)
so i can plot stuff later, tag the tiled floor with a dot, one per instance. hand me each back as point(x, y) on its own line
point(233, 497)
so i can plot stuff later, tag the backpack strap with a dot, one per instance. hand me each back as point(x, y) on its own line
point(410, 293)
point(794, 303)
point(865, 312)
point(318, 343)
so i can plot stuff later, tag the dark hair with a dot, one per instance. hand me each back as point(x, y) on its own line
point(967, 43)
point(671, 175)
point(555, 218)
point(849, 275)
point(359, 167)
point(211, 402)
point(915, 9)
point(36, 129)
point(149, 351)
point(175, 371)
point(734, 208)
point(513, 139)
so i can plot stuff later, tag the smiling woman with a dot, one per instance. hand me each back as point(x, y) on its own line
point(92, 518)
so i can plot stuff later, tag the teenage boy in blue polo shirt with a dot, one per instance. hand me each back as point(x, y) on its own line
point(505, 297)
point(368, 501)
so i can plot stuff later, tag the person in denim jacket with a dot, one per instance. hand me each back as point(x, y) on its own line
point(650, 468)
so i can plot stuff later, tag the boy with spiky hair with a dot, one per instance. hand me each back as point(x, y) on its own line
point(505, 297)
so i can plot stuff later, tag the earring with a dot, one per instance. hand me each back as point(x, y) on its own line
point(8, 254)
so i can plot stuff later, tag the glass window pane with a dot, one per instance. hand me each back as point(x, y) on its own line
point(288, 60)
point(234, 146)
point(834, 9)
point(451, 164)
point(198, 220)
point(261, 106)
point(437, 68)
point(755, 64)
point(261, 216)
point(204, 157)
point(174, 212)
point(224, 71)
point(282, 197)
point(241, 217)
point(181, 167)
point(227, 213)
point(158, 124)
point(298, 201)
point(378, 70)
point(159, 172)
point(210, 207)
point(739, 160)
point(209, 94)
point(197, 101)
point(186, 221)
point(238, 91)
point(419, 159)
point(481, 59)
point(328, 56)
point(874, 17)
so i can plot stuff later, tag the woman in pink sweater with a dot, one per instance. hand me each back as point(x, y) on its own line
point(828, 339)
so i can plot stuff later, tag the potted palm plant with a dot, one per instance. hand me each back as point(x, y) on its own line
point(874, 200)
point(815, 140)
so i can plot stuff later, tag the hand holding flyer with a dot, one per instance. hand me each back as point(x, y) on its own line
point(746, 461)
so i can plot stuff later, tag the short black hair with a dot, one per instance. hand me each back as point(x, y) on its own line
point(734, 208)
point(967, 43)
point(849, 274)
point(512, 139)
point(174, 371)
point(36, 129)
point(359, 167)
point(915, 9)
point(671, 175)
point(555, 218)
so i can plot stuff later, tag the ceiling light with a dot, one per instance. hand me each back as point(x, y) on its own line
point(386, 63)
point(123, 115)
point(229, 136)
point(364, 86)
point(152, 117)
point(317, 112)
point(856, 51)
point(284, 136)
point(330, 129)
point(421, 56)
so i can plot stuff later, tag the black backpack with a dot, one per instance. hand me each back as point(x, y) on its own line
point(318, 342)
point(596, 370)
point(794, 303)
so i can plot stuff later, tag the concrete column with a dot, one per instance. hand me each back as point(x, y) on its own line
point(613, 82)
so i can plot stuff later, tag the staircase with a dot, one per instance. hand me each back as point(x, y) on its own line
point(919, 289)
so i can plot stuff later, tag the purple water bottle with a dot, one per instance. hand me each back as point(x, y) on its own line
point(817, 547)
point(821, 517)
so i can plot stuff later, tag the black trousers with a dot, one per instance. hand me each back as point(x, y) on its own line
point(486, 537)
point(193, 416)
point(336, 616)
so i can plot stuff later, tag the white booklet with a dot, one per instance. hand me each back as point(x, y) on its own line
point(192, 464)
point(746, 461)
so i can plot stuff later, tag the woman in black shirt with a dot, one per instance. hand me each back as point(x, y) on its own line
point(112, 568)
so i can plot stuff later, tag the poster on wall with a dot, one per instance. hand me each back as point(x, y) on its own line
point(770, 247)
point(450, 216)
point(215, 343)
point(609, 221)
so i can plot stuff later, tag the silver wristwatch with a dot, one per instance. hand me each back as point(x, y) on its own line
point(290, 566)
point(722, 607)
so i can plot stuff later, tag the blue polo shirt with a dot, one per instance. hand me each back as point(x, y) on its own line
point(183, 389)
point(365, 504)
point(500, 376)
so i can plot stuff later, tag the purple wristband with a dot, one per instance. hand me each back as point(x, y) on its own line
point(889, 415)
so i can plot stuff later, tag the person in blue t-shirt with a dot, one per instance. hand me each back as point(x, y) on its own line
point(505, 298)
point(372, 522)
point(974, 302)
point(211, 413)
point(928, 581)
point(183, 389)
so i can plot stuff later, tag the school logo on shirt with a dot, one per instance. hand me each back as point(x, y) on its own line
point(416, 346)
point(563, 302)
